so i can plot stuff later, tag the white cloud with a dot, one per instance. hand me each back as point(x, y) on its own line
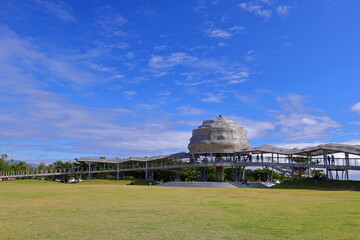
point(191, 111)
point(218, 33)
point(356, 107)
point(255, 129)
point(256, 9)
point(292, 122)
point(57, 8)
point(298, 126)
point(213, 98)
point(283, 10)
point(23, 61)
point(164, 93)
point(50, 118)
point(236, 77)
point(129, 93)
point(296, 122)
point(212, 71)
point(223, 33)
point(160, 48)
point(236, 29)
point(172, 60)
point(201, 6)
point(117, 76)
point(109, 28)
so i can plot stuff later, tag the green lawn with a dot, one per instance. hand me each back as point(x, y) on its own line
point(114, 210)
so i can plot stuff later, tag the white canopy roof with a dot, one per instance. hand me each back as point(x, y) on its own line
point(329, 148)
point(134, 159)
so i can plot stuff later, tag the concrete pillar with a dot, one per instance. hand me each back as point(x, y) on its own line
point(89, 171)
point(347, 163)
point(219, 174)
point(146, 171)
point(326, 164)
point(118, 171)
point(292, 167)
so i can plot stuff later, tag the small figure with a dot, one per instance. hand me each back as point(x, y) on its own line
point(332, 159)
point(328, 159)
point(257, 158)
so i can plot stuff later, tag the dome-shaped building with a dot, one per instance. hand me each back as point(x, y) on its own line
point(218, 135)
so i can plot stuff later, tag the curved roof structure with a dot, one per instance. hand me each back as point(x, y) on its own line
point(270, 149)
point(330, 148)
point(134, 159)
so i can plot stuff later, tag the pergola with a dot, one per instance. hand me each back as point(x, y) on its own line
point(280, 157)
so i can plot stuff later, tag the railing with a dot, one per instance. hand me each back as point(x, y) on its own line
point(350, 163)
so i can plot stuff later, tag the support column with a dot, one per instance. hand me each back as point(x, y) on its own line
point(292, 167)
point(309, 162)
point(146, 171)
point(219, 174)
point(89, 171)
point(347, 163)
point(326, 165)
point(118, 171)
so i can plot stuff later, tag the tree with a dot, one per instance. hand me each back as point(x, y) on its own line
point(11, 165)
point(41, 166)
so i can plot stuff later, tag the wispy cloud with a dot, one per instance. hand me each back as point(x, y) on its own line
point(293, 121)
point(160, 48)
point(297, 122)
point(164, 93)
point(191, 111)
point(109, 28)
point(257, 9)
point(213, 98)
point(20, 58)
point(255, 129)
point(56, 8)
point(130, 93)
point(283, 10)
point(201, 6)
point(356, 107)
point(218, 33)
point(213, 71)
point(223, 33)
point(236, 77)
point(172, 60)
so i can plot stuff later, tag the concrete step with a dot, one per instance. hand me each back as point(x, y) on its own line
point(215, 184)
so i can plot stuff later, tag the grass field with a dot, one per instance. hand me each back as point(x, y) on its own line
point(114, 210)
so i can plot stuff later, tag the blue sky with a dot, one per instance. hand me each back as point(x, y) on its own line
point(133, 78)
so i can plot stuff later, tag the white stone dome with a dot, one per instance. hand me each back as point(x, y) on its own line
point(218, 135)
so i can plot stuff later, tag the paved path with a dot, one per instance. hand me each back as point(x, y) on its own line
point(214, 185)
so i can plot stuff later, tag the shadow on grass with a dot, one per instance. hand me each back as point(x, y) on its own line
point(131, 181)
point(331, 185)
point(143, 182)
